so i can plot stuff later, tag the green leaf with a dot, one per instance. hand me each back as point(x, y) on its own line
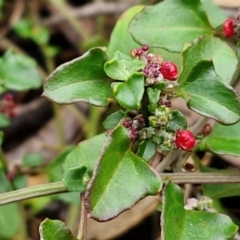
point(215, 14)
point(18, 72)
point(19, 181)
point(222, 140)
point(219, 190)
point(113, 119)
point(27, 29)
point(177, 122)
point(122, 56)
point(10, 220)
point(191, 224)
point(86, 153)
point(122, 178)
point(120, 38)
point(55, 173)
point(210, 49)
point(33, 160)
point(129, 94)
point(55, 229)
point(4, 120)
point(208, 95)
point(122, 69)
point(75, 179)
point(80, 162)
point(153, 97)
point(146, 150)
point(159, 25)
point(82, 79)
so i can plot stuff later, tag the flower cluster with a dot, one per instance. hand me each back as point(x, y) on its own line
point(157, 127)
point(133, 125)
point(156, 69)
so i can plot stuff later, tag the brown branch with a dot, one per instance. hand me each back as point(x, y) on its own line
point(89, 10)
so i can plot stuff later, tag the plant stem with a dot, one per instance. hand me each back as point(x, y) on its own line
point(179, 178)
point(83, 221)
point(144, 106)
point(31, 192)
point(200, 178)
point(94, 119)
point(167, 160)
point(198, 125)
point(59, 125)
point(72, 215)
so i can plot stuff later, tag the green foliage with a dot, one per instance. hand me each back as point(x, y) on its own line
point(55, 229)
point(82, 79)
point(222, 140)
point(129, 93)
point(189, 224)
point(113, 169)
point(177, 122)
point(86, 153)
point(18, 72)
point(119, 173)
point(120, 39)
point(10, 220)
point(208, 95)
point(210, 49)
point(27, 29)
point(113, 119)
point(219, 190)
point(215, 14)
point(55, 173)
point(4, 120)
point(121, 69)
point(32, 160)
point(159, 24)
point(146, 150)
point(76, 178)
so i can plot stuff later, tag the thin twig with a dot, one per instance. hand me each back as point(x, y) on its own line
point(200, 178)
point(179, 178)
point(83, 221)
point(89, 10)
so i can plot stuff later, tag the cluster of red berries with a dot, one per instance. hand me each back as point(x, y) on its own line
point(229, 28)
point(156, 69)
point(185, 140)
point(8, 106)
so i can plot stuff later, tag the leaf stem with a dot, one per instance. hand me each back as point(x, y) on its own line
point(83, 221)
point(94, 119)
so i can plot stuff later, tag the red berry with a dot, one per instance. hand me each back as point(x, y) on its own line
point(169, 71)
point(139, 52)
point(228, 28)
point(145, 47)
point(185, 140)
